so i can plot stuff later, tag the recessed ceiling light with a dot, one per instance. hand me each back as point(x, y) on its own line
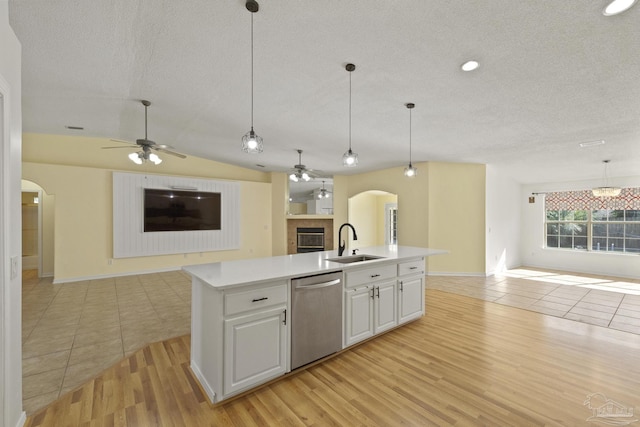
point(470, 65)
point(591, 143)
point(75, 127)
point(617, 6)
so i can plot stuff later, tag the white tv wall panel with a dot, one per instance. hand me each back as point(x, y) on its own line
point(129, 239)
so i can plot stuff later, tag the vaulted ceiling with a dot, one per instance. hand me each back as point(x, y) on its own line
point(552, 75)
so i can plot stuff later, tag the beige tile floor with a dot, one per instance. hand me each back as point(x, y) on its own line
point(598, 300)
point(73, 331)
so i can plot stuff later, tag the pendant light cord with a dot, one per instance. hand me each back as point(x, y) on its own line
point(252, 71)
point(409, 136)
point(349, 111)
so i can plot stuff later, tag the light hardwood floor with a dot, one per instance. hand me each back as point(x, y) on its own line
point(467, 362)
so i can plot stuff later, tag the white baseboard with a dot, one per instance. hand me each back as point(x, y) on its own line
point(448, 273)
point(203, 382)
point(22, 419)
point(107, 276)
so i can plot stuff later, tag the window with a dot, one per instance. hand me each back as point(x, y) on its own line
point(391, 224)
point(579, 221)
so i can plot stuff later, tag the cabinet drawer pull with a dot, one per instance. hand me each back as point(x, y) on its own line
point(413, 268)
point(375, 275)
point(259, 299)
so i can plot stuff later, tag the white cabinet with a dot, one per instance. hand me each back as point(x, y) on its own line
point(358, 315)
point(239, 336)
point(384, 301)
point(410, 298)
point(369, 310)
point(411, 290)
point(255, 348)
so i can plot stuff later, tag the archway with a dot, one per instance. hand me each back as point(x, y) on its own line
point(373, 213)
point(37, 229)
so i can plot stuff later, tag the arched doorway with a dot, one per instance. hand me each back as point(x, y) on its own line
point(374, 215)
point(37, 229)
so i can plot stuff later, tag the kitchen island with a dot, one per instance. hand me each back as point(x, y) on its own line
point(241, 323)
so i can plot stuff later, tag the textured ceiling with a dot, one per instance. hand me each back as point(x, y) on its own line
point(552, 74)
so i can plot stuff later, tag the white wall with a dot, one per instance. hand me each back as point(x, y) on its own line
point(10, 232)
point(502, 222)
point(535, 255)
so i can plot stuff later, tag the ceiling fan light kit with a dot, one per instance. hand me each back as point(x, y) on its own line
point(146, 146)
point(300, 171)
point(350, 159)
point(251, 141)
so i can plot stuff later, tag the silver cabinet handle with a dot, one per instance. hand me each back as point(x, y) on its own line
point(319, 285)
point(413, 268)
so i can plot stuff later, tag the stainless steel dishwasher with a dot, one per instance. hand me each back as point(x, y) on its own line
point(316, 317)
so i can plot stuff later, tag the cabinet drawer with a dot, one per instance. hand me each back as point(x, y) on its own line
point(411, 267)
point(264, 296)
point(373, 274)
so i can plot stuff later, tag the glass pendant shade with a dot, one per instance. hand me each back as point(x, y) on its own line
point(252, 142)
point(155, 159)
point(350, 159)
point(135, 158)
point(606, 191)
point(410, 171)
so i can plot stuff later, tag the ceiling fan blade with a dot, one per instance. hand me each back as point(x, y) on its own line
point(107, 148)
point(121, 140)
point(173, 153)
point(163, 146)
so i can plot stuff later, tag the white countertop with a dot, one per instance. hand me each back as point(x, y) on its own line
point(255, 270)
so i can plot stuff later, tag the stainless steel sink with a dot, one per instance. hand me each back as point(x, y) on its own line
point(354, 258)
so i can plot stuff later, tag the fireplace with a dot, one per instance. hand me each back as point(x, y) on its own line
point(310, 239)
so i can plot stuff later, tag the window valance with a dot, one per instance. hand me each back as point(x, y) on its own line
point(629, 199)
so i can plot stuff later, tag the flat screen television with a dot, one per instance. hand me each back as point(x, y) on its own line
point(178, 210)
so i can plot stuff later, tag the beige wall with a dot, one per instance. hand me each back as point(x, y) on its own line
point(443, 207)
point(88, 152)
point(457, 217)
point(279, 206)
point(363, 216)
point(367, 215)
point(412, 199)
point(83, 211)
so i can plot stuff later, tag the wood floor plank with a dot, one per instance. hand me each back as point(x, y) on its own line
point(466, 363)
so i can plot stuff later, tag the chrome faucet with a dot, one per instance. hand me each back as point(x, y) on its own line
point(341, 243)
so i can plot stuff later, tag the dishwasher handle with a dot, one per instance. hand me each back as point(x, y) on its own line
point(318, 285)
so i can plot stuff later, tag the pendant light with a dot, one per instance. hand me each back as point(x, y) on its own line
point(606, 190)
point(350, 159)
point(410, 171)
point(251, 141)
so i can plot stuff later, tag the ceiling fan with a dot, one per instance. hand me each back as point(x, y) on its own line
point(324, 193)
point(300, 171)
point(146, 145)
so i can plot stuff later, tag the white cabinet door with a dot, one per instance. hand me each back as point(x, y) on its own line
point(385, 306)
point(359, 315)
point(411, 298)
point(255, 349)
